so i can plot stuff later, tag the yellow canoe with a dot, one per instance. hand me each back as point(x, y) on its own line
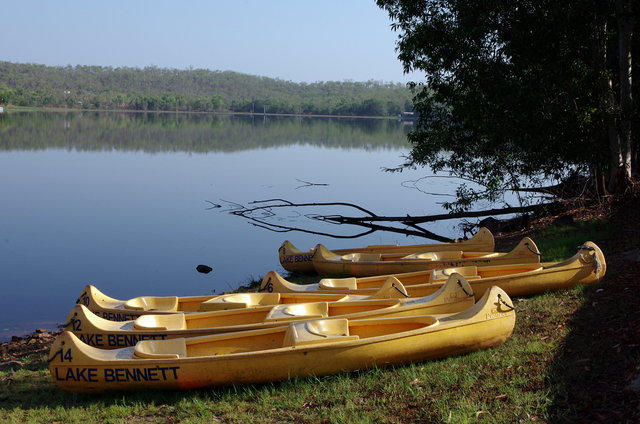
point(295, 260)
point(587, 266)
point(454, 296)
point(124, 310)
point(301, 349)
point(367, 264)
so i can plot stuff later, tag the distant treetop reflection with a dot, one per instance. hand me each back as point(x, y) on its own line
point(194, 133)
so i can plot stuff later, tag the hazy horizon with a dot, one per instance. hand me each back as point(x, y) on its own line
point(302, 42)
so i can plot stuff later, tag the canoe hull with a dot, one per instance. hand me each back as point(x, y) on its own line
point(80, 368)
point(326, 262)
point(587, 267)
point(85, 376)
point(295, 260)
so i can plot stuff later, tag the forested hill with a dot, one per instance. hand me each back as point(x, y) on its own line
point(152, 88)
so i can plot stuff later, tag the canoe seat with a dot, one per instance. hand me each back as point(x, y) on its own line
point(240, 301)
point(315, 332)
point(338, 283)
point(444, 273)
point(161, 349)
point(152, 303)
point(435, 256)
point(298, 310)
point(361, 257)
point(160, 322)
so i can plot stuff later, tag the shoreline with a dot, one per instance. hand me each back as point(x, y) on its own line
point(8, 109)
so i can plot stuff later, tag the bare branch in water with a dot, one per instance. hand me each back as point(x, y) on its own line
point(308, 184)
point(213, 205)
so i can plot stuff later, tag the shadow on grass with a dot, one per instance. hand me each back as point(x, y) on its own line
point(592, 371)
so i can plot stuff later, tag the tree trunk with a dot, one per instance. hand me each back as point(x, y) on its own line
point(616, 174)
point(625, 61)
point(600, 183)
point(619, 128)
point(606, 101)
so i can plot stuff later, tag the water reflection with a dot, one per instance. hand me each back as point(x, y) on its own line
point(119, 200)
point(194, 133)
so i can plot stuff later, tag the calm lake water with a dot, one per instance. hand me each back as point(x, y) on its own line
point(121, 201)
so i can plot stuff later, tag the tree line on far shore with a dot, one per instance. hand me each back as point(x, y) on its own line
point(193, 90)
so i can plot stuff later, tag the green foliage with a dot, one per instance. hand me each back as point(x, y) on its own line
point(197, 90)
point(516, 92)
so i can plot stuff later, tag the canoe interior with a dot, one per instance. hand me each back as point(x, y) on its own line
point(426, 256)
point(286, 312)
point(251, 341)
point(251, 300)
point(433, 276)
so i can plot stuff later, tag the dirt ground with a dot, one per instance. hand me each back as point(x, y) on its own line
point(14, 352)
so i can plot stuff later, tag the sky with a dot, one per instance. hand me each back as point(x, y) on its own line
point(292, 40)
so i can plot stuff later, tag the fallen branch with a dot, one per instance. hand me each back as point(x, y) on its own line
point(262, 215)
point(339, 219)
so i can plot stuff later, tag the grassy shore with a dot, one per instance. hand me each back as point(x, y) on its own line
point(572, 358)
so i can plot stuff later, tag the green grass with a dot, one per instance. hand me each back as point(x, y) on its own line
point(535, 376)
point(560, 242)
